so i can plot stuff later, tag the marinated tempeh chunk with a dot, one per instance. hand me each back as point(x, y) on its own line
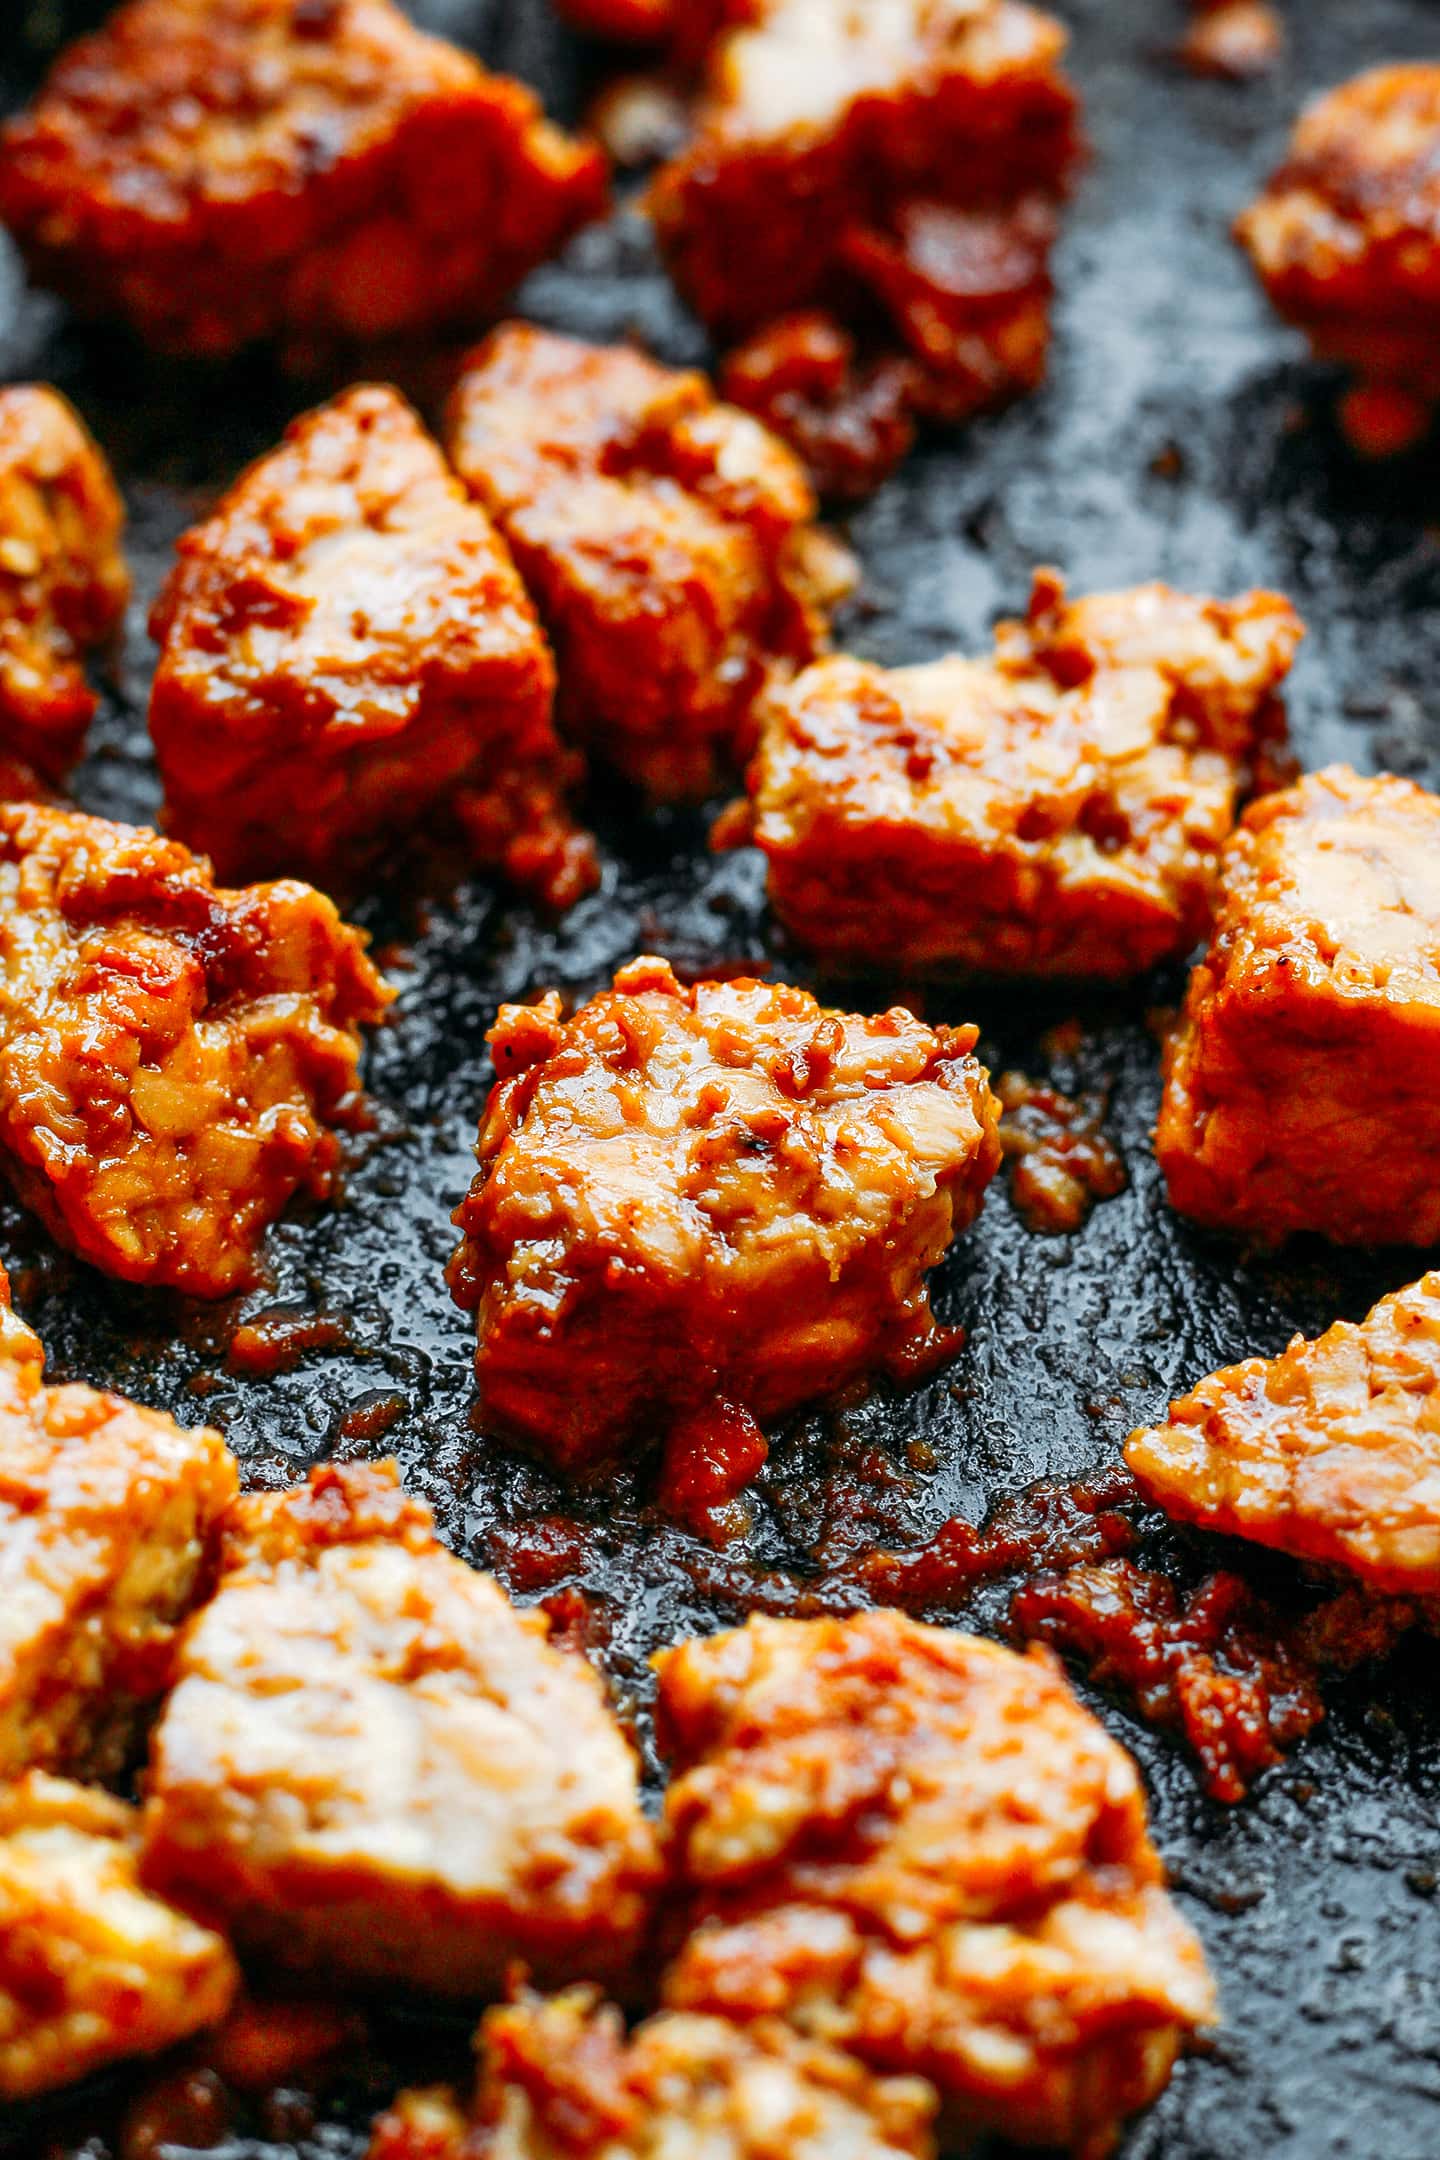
point(173, 1056)
point(899, 168)
point(560, 2081)
point(63, 581)
point(1330, 1451)
point(1056, 810)
point(93, 1968)
point(725, 1191)
point(1301, 1080)
point(349, 659)
point(918, 1846)
point(314, 171)
point(668, 540)
point(1345, 238)
point(109, 1515)
point(374, 1770)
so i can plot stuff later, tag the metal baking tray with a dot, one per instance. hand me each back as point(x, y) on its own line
point(1182, 435)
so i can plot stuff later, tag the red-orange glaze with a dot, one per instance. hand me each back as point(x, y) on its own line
point(1213, 1664)
point(315, 171)
point(1345, 239)
point(175, 1057)
point(668, 540)
point(1056, 809)
point(349, 661)
point(1301, 1079)
point(724, 1192)
point(897, 169)
point(63, 581)
point(847, 1850)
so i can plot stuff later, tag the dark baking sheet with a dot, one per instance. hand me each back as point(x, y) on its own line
point(1181, 436)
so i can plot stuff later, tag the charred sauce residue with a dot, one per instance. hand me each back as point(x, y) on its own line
point(370, 1418)
point(1220, 1664)
point(1050, 1525)
point(1212, 1664)
point(274, 1341)
point(539, 1552)
point(1235, 1675)
point(1061, 1162)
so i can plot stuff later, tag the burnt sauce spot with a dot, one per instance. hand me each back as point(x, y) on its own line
point(1049, 1525)
point(1061, 1161)
point(1235, 1674)
point(1213, 1664)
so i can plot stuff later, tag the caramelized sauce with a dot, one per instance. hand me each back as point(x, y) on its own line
point(1211, 1664)
point(848, 418)
point(1219, 1664)
point(709, 1460)
point(275, 1341)
point(1050, 1525)
point(1061, 1162)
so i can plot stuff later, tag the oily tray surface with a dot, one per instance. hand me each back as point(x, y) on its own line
point(1179, 437)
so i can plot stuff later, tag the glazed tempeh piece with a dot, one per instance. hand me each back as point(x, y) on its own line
point(373, 1769)
point(1232, 40)
point(318, 172)
point(174, 1057)
point(109, 1518)
point(349, 659)
point(899, 168)
point(93, 1968)
point(849, 1845)
point(722, 1194)
point(1345, 239)
point(667, 539)
point(1330, 1452)
point(1301, 1079)
point(63, 581)
point(1055, 810)
point(559, 2080)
